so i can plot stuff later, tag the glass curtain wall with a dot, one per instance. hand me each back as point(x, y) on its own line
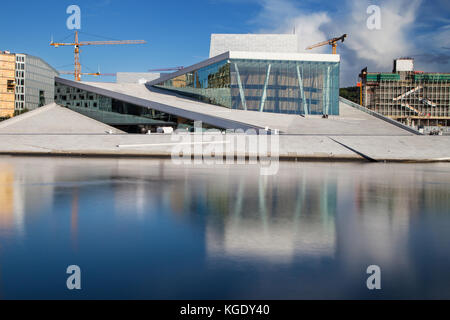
point(210, 84)
point(292, 87)
point(109, 110)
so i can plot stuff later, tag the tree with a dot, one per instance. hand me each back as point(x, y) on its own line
point(19, 112)
point(350, 93)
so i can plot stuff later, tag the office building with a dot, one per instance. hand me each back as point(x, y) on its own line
point(26, 83)
point(7, 84)
point(35, 82)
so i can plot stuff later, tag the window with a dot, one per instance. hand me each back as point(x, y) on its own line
point(41, 98)
point(10, 86)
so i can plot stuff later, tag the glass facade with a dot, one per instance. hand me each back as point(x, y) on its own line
point(291, 87)
point(125, 116)
point(35, 82)
point(108, 110)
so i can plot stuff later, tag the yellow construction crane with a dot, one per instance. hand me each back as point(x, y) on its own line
point(96, 74)
point(332, 42)
point(77, 44)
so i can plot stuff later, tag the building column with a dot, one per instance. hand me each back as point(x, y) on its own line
point(264, 95)
point(241, 88)
point(302, 91)
point(326, 91)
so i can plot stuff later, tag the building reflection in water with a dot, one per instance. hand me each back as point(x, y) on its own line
point(351, 214)
point(26, 187)
point(12, 210)
point(307, 209)
point(380, 215)
point(6, 196)
point(74, 219)
point(276, 221)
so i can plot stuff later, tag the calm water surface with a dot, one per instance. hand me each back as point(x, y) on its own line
point(150, 229)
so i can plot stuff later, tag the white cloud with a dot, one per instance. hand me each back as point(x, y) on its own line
point(376, 48)
point(282, 16)
point(308, 28)
point(391, 41)
point(408, 28)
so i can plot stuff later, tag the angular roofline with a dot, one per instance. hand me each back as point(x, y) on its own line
point(46, 63)
point(199, 65)
point(312, 57)
point(214, 120)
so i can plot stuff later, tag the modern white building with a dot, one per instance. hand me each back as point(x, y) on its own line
point(266, 77)
point(229, 91)
point(279, 43)
point(136, 77)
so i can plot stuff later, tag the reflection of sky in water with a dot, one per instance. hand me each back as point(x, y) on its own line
point(149, 229)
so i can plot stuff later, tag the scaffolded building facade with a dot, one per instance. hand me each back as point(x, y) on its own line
point(417, 99)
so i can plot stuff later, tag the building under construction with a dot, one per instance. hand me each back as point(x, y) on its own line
point(415, 98)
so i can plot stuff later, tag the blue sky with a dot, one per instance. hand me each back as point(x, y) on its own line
point(178, 32)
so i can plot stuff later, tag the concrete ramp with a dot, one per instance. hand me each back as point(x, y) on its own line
point(403, 148)
point(54, 119)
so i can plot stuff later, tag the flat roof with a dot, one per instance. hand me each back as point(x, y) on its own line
point(221, 43)
point(242, 55)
